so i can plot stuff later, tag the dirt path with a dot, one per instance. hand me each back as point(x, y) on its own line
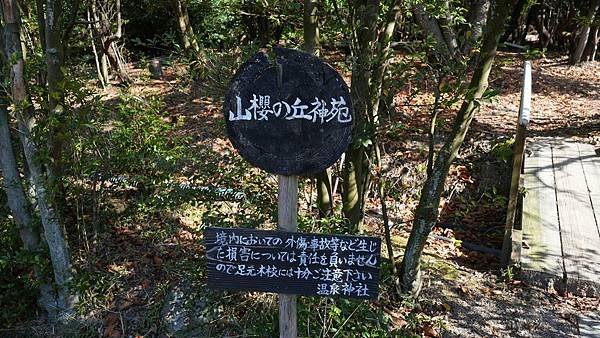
point(566, 102)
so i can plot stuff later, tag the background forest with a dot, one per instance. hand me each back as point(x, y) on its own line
point(114, 157)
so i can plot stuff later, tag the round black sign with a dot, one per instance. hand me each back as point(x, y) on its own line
point(289, 116)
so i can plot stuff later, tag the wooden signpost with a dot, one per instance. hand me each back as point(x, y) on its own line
point(290, 114)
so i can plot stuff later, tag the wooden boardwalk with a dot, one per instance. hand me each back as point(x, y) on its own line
point(561, 215)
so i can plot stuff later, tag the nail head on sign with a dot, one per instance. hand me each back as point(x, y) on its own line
point(291, 115)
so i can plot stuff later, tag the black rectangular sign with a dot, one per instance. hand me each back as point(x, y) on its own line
point(293, 262)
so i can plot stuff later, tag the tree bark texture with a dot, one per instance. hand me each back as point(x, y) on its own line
point(381, 184)
point(311, 27)
point(103, 12)
point(22, 212)
point(55, 86)
point(190, 44)
point(17, 200)
point(382, 56)
point(356, 166)
point(582, 37)
point(371, 54)
point(113, 55)
point(53, 229)
point(445, 23)
point(432, 26)
point(103, 80)
point(41, 21)
point(516, 21)
point(591, 49)
point(477, 18)
point(427, 211)
point(324, 193)
point(311, 45)
point(581, 42)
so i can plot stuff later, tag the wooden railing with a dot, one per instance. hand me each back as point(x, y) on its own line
point(511, 247)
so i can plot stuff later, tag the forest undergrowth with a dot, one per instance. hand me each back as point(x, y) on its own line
point(156, 169)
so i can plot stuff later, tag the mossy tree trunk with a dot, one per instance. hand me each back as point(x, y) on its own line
point(53, 229)
point(371, 53)
point(581, 39)
point(591, 49)
point(311, 45)
point(365, 16)
point(55, 84)
point(13, 186)
point(427, 211)
point(311, 27)
point(190, 43)
point(107, 25)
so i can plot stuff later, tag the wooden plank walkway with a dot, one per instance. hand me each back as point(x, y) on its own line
point(561, 215)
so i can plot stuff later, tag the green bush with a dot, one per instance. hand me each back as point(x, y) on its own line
point(17, 289)
point(129, 139)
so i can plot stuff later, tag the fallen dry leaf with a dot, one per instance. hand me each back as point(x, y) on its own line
point(111, 321)
point(145, 283)
point(430, 331)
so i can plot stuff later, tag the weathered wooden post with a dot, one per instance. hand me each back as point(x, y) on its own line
point(511, 247)
point(290, 116)
point(287, 220)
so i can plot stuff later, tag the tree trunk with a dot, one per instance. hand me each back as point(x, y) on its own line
point(53, 229)
point(102, 14)
point(353, 194)
point(589, 54)
point(324, 193)
point(104, 67)
point(21, 210)
point(513, 27)
point(386, 220)
point(311, 27)
point(17, 200)
point(545, 37)
point(477, 19)
point(447, 30)
point(111, 48)
point(56, 94)
point(371, 58)
point(356, 165)
point(101, 78)
point(582, 37)
point(581, 42)
point(311, 45)
point(427, 211)
point(41, 21)
point(264, 28)
point(383, 55)
point(432, 26)
point(190, 43)
point(114, 58)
